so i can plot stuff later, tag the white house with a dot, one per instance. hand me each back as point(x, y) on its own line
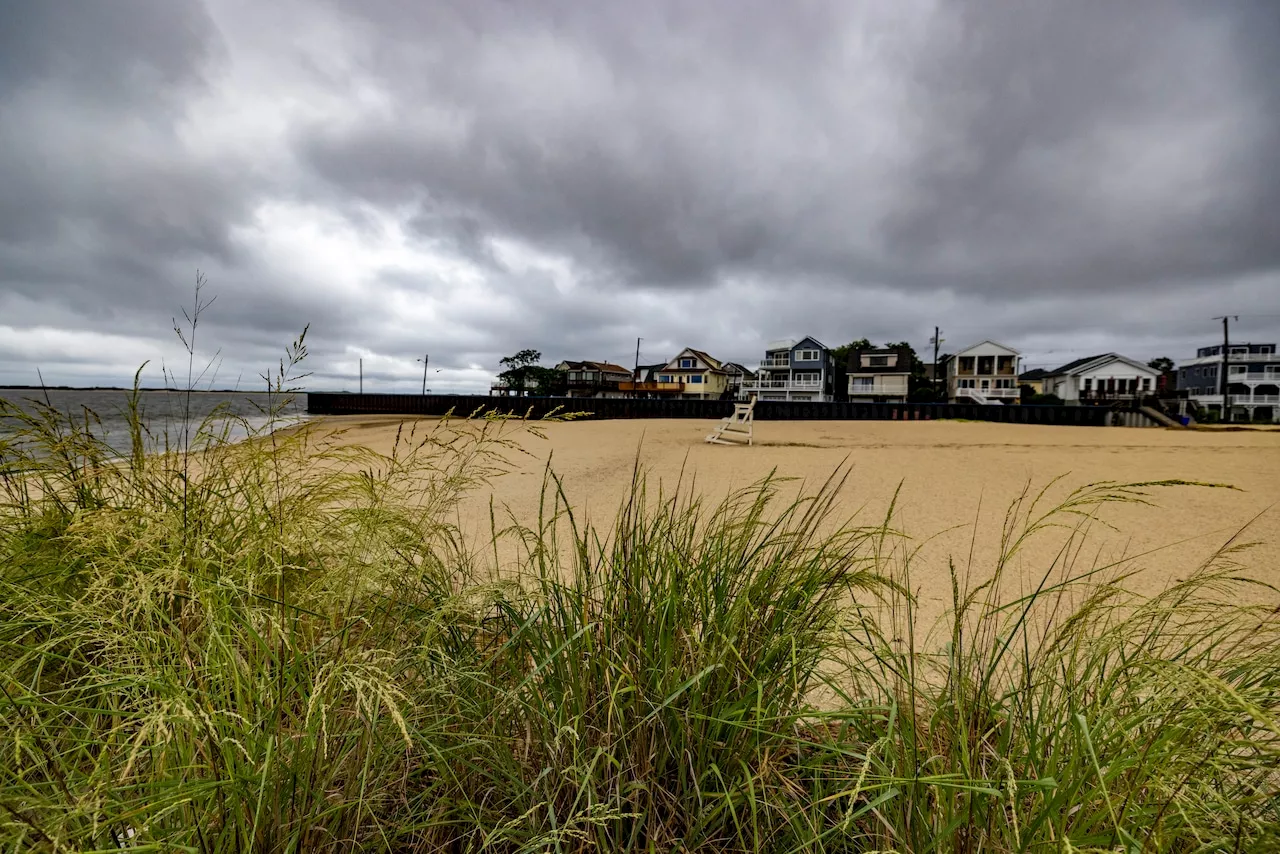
point(987, 372)
point(1100, 379)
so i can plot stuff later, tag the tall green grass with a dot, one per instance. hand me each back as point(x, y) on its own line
point(287, 644)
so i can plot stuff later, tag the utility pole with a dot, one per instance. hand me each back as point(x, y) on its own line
point(936, 341)
point(423, 360)
point(635, 376)
point(1226, 366)
point(362, 376)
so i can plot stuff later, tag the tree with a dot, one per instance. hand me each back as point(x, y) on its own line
point(526, 376)
point(519, 370)
point(841, 354)
point(1162, 364)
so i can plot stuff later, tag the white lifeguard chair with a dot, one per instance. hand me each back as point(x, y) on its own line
point(737, 427)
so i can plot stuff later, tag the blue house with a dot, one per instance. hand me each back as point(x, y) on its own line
point(793, 370)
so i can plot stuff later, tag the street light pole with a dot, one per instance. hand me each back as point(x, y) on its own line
point(423, 360)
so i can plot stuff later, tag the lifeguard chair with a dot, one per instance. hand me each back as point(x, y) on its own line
point(737, 428)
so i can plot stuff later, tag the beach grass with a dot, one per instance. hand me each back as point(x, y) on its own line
point(286, 644)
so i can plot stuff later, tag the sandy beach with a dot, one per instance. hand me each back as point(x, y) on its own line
point(955, 482)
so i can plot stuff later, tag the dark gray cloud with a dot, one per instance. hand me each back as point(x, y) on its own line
point(476, 176)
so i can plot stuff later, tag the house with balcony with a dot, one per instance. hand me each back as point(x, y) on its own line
point(594, 379)
point(879, 376)
point(794, 370)
point(1253, 381)
point(987, 372)
point(646, 384)
point(1099, 380)
point(737, 375)
point(691, 375)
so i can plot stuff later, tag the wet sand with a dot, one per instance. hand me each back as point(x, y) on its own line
point(954, 480)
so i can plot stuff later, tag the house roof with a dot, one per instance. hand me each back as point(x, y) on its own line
point(814, 340)
point(993, 343)
point(712, 362)
point(737, 368)
point(903, 366)
point(1034, 374)
point(605, 367)
point(781, 344)
point(1079, 365)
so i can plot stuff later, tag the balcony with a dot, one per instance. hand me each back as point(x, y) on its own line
point(1234, 359)
point(1237, 399)
point(595, 384)
point(652, 387)
point(792, 385)
point(879, 389)
point(995, 393)
point(775, 362)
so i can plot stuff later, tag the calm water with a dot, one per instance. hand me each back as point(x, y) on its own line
point(162, 410)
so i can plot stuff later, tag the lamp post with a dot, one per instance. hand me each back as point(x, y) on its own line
point(423, 360)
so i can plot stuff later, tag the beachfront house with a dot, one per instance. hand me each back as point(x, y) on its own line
point(987, 372)
point(736, 376)
point(1100, 379)
point(691, 375)
point(647, 386)
point(594, 379)
point(1033, 379)
point(879, 375)
point(1253, 381)
point(793, 370)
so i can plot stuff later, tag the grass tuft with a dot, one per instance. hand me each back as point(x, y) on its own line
point(284, 644)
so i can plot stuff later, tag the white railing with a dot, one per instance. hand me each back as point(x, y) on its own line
point(1238, 399)
point(775, 363)
point(989, 392)
point(798, 385)
point(879, 388)
point(1233, 359)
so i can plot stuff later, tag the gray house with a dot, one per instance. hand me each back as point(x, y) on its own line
point(793, 370)
point(1253, 380)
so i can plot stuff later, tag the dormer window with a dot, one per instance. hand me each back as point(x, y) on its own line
point(686, 363)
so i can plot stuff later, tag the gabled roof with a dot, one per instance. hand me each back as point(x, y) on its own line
point(737, 368)
point(604, 367)
point(1034, 374)
point(992, 343)
point(904, 365)
point(821, 346)
point(1081, 365)
point(712, 363)
point(781, 344)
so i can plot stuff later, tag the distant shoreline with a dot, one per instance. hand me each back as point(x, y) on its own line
point(122, 388)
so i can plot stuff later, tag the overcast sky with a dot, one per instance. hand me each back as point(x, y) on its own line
point(472, 177)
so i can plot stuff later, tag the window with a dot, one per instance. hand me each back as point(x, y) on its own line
point(861, 383)
point(1239, 351)
point(964, 384)
point(807, 356)
point(1146, 383)
point(879, 361)
point(1238, 369)
point(665, 378)
point(1088, 383)
point(966, 367)
point(1003, 383)
point(686, 363)
point(696, 378)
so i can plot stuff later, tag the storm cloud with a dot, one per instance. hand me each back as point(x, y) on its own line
point(471, 178)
